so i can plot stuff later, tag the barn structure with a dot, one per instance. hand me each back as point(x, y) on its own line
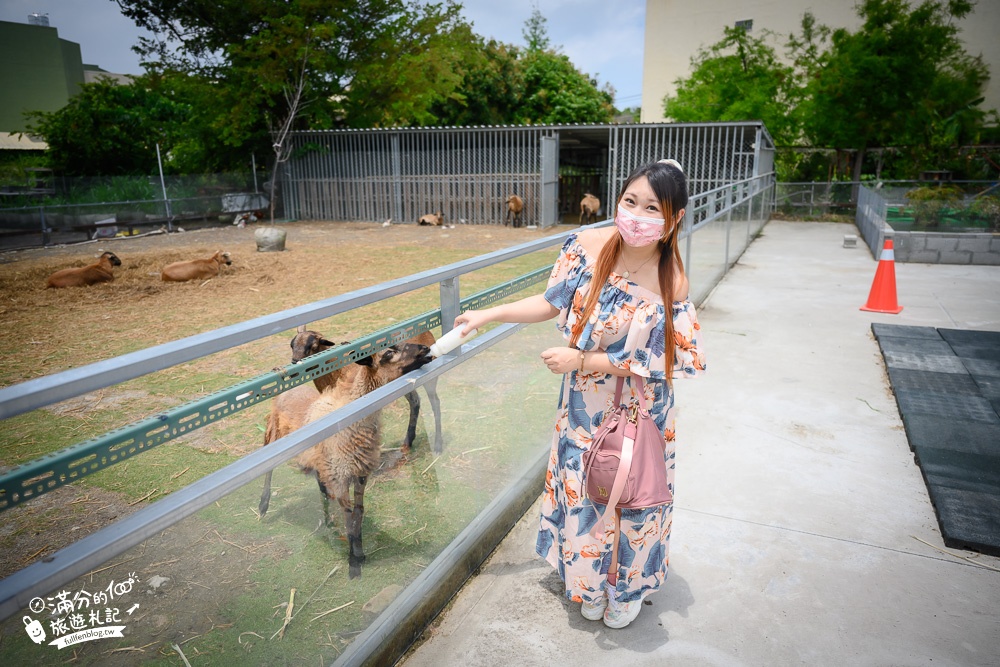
point(467, 173)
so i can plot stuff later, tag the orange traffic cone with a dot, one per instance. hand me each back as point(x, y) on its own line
point(882, 298)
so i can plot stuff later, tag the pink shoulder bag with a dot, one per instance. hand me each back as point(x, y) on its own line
point(625, 465)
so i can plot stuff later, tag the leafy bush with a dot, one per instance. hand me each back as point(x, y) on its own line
point(929, 203)
point(987, 208)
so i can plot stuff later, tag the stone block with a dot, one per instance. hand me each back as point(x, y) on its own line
point(924, 257)
point(986, 258)
point(974, 242)
point(956, 257)
point(942, 242)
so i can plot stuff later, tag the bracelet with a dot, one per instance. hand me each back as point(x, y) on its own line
point(582, 353)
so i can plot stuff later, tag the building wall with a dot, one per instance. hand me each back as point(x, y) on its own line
point(676, 29)
point(38, 72)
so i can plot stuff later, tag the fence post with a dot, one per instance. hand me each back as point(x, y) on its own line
point(729, 225)
point(163, 186)
point(450, 303)
point(45, 227)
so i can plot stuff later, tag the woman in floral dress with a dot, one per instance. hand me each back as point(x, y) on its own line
point(620, 330)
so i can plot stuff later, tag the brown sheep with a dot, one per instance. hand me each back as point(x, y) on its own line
point(515, 205)
point(589, 206)
point(288, 410)
point(101, 272)
point(196, 269)
point(345, 459)
point(431, 220)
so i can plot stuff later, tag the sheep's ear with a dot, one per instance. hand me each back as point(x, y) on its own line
point(366, 361)
point(328, 343)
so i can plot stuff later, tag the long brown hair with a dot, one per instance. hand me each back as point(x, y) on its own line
point(670, 187)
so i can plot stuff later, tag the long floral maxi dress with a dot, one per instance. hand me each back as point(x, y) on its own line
point(628, 324)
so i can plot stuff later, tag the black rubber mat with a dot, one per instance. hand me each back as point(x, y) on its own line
point(947, 387)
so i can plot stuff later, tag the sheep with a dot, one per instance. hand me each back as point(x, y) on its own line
point(515, 205)
point(196, 269)
point(589, 206)
point(431, 219)
point(307, 343)
point(346, 458)
point(100, 272)
point(288, 410)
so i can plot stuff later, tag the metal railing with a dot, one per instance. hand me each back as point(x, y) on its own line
point(726, 218)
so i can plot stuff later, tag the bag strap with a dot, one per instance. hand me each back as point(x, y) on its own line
point(618, 391)
point(640, 390)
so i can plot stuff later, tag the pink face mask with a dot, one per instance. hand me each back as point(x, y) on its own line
point(638, 231)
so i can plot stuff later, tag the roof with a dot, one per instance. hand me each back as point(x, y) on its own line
point(16, 141)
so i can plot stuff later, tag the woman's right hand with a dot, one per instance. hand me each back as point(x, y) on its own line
point(473, 319)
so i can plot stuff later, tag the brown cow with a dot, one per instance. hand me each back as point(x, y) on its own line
point(515, 205)
point(589, 206)
point(195, 269)
point(86, 275)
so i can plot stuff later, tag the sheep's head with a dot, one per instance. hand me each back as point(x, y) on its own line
point(224, 258)
point(111, 257)
point(398, 360)
point(307, 343)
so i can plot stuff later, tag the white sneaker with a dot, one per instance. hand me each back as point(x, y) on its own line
point(594, 611)
point(620, 614)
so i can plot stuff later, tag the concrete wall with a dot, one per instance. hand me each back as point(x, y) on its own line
point(676, 29)
point(945, 248)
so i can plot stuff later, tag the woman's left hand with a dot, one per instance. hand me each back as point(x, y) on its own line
point(561, 359)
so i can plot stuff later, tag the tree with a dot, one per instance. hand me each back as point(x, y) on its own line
point(902, 79)
point(535, 32)
point(504, 84)
point(738, 78)
point(491, 89)
point(107, 129)
point(368, 62)
point(555, 91)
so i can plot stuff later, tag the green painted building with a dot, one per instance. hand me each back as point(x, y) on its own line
point(38, 72)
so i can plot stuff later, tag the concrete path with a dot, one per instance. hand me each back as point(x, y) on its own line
point(803, 533)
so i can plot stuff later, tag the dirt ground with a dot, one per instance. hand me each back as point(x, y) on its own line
point(74, 326)
point(43, 331)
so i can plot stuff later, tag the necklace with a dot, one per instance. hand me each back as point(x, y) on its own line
point(628, 272)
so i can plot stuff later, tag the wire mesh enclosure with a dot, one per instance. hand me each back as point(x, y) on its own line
point(467, 174)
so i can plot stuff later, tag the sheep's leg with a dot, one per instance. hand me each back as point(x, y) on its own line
point(411, 429)
point(265, 495)
point(354, 517)
point(327, 519)
point(432, 396)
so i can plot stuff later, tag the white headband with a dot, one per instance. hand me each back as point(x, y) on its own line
point(674, 163)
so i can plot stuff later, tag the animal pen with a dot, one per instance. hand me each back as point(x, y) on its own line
point(417, 572)
point(401, 174)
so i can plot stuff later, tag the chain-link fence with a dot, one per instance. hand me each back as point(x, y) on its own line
point(68, 210)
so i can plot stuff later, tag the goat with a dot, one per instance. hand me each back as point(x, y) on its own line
point(288, 410)
point(589, 206)
point(100, 272)
point(196, 269)
point(515, 205)
point(431, 219)
point(345, 459)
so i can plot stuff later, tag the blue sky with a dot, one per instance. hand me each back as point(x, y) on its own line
point(601, 37)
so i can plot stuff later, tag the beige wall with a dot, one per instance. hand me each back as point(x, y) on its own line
point(676, 29)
